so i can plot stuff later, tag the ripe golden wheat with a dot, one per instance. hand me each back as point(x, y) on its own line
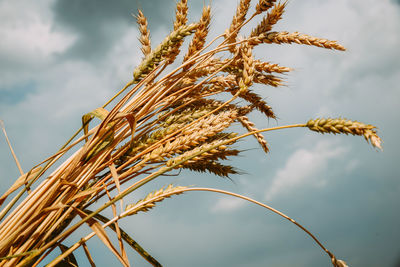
point(163, 121)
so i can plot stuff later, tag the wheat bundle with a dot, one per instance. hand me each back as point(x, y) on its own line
point(165, 120)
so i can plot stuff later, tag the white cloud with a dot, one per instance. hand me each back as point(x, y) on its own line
point(227, 204)
point(303, 167)
point(33, 38)
point(28, 40)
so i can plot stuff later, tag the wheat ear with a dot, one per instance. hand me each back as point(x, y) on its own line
point(248, 67)
point(199, 37)
point(296, 37)
point(180, 20)
point(237, 21)
point(264, 5)
point(152, 198)
point(337, 126)
point(144, 33)
point(159, 53)
point(270, 20)
point(250, 127)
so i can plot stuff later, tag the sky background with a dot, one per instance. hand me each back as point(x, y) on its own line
point(62, 59)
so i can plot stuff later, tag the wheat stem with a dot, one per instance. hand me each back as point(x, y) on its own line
point(160, 195)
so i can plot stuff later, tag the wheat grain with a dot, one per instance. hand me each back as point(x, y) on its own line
point(269, 67)
point(256, 102)
point(188, 155)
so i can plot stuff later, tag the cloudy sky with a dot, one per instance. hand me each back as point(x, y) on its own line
point(61, 59)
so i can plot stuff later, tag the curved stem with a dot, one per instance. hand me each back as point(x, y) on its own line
point(264, 206)
point(126, 212)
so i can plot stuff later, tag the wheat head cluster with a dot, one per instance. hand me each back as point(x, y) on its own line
point(168, 116)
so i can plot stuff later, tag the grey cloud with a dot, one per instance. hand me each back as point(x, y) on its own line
point(17, 94)
point(100, 24)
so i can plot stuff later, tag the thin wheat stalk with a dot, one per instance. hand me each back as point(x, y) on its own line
point(161, 194)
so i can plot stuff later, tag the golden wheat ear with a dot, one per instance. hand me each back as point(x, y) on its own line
point(299, 38)
point(237, 22)
point(180, 20)
point(269, 20)
point(345, 126)
point(199, 37)
point(264, 5)
point(144, 33)
point(162, 51)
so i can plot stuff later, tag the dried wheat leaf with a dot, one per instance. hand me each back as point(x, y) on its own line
point(104, 143)
point(101, 233)
point(69, 261)
point(20, 182)
point(132, 124)
point(87, 192)
point(128, 239)
point(88, 255)
point(114, 211)
point(100, 113)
